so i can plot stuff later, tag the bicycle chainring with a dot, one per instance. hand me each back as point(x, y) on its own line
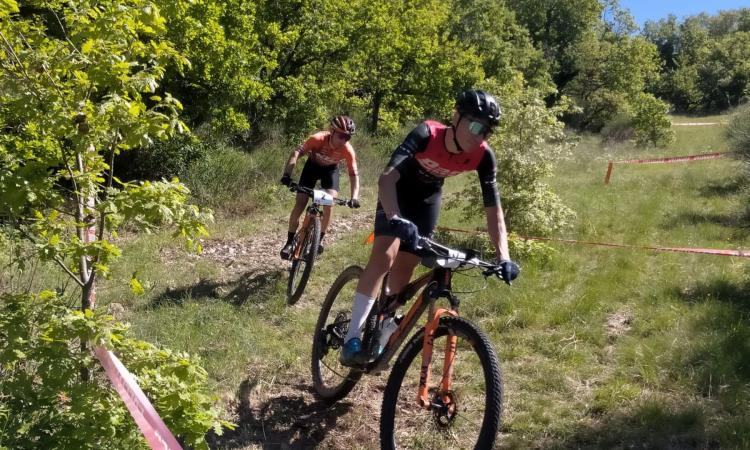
point(335, 332)
point(444, 408)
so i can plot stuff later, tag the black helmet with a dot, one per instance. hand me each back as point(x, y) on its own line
point(479, 104)
point(343, 124)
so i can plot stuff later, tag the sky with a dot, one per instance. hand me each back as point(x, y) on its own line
point(644, 10)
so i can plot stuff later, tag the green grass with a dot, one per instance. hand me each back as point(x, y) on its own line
point(600, 348)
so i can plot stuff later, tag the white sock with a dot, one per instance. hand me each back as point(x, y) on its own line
point(360, 310)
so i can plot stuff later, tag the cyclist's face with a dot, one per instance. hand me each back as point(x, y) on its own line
point(470, 131)
point(340, 138)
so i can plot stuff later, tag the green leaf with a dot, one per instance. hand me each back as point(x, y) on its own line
point(87, 46)
point(135, 286)
point(7, 7)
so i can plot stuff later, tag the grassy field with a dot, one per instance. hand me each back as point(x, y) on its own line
point(599, 347)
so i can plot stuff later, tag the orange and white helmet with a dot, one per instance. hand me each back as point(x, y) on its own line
point(343, 124)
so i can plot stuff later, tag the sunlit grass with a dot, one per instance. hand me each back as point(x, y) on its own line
point(600, 347)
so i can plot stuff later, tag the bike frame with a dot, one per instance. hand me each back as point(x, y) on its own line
point(436, 284)
point(311, 212)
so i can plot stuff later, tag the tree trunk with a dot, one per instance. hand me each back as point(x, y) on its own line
point(87, 234)
point(377, 100)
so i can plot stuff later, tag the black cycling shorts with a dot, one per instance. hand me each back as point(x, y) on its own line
point(422, 208)
point(312, 172)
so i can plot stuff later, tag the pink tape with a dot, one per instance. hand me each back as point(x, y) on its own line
point(704, 251)
point(672, 159)
point(153, 428)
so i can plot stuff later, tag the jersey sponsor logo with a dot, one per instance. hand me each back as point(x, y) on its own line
point(434, 168)
point(328, 159)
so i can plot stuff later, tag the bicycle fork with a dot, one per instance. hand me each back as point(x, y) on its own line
point(423, 399)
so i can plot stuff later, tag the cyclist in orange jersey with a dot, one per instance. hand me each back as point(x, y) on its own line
point(324, 151)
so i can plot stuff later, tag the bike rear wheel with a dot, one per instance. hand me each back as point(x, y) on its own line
point(467, 416)
point(331, 380)
point(302, 266)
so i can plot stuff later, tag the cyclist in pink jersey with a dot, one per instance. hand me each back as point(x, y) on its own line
point(324, 151)
point(409, 191)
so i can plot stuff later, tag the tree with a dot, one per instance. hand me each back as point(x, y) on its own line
point(556, 26)
point(222, 42)
point(504, 46)
point(416, 69)
point(79, 85)
point(705, 60)
point(612, 73)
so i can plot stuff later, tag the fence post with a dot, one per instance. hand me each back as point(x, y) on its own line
point(609, 172)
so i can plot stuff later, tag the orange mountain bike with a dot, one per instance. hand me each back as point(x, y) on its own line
point(307, 240)
point(453, 397)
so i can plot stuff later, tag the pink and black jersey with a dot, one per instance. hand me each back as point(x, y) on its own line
point(424, 162)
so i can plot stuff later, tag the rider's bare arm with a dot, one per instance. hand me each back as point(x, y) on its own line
point(292, 161)
point(497, 231)
point(493, 209)
point(354, 183)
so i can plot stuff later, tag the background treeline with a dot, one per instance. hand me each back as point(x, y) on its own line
point(261, 65)
point(705, 60)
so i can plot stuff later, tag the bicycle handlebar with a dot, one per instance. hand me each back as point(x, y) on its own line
point(463, 257)
point(294, 187)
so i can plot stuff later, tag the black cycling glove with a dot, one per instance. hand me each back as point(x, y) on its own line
point(406, 231)
point(509, 270)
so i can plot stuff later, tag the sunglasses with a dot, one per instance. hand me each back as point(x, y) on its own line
point(479, 128)
point(343, 136)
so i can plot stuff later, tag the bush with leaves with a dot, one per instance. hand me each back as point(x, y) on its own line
point(738, 133)
point(162, 159)
point(650, 121)
point(530, 141)
point(44, 403)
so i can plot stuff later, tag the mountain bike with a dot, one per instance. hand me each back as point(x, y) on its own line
point(451, 398)
point(307, 240)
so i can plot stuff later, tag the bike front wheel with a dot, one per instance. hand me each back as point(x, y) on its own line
point(303, 265)
point(464, 416)
point(331, 380)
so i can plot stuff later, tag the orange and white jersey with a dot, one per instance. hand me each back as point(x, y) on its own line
point(318, 148)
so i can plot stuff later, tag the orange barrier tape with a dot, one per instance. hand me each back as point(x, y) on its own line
point(705, 251)
point(153, 428)
point(668, 160)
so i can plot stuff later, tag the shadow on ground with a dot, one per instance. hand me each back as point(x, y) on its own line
point(290, 420)
point(722, 188)
point(253, 287)
point(729, 220)
point(650, 426)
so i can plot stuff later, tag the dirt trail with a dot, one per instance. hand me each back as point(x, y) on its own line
point(259, 254)
point(282, 412)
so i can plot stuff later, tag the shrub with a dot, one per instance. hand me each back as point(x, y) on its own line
point(618, 129)
point(226, 174)
point(650, 121)
point(163, 159)
point(738, 133)
point(45, 404)
point(531, 141)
